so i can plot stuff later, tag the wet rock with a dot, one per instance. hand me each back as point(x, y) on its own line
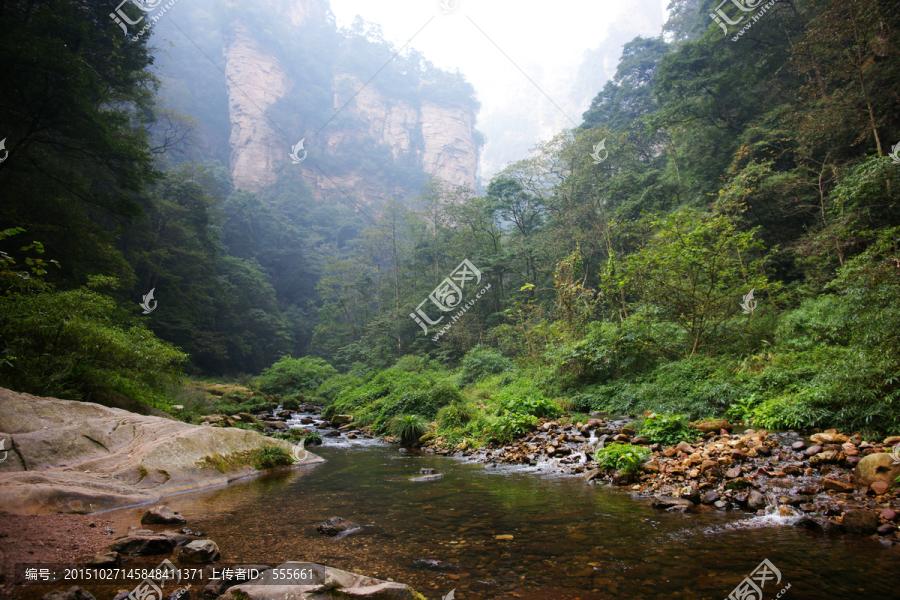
point(720, 504)
point(892, 441)
point(878, 488)
point(592, 475)
point(837, 486)
point(860, 522)
point(812, 451)
point(651, 466)
point(791, 470)
point(351, 436)
point(886, 529)
point(341, 419)
point(105, 561)
point(755, 500)
point(819, 525)
point(709, 467)
point(889, 514)
point(829, 438)
point(426, 471)
point(685, 447)
point(332, 433)
point(198, 551)
point(733, 473)
point(665, 503)
point(73, 593)
point(335, 525)
point(877, 467)
point(713, 426)
point(620, 478)
point(162, 515)
point(143, 544)
point(711, 497)
point(798, 445)
point(432, 477)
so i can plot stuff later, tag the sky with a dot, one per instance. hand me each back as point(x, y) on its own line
point(552, 35)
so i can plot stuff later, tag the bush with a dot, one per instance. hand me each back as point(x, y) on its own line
point(408, 428)
point(334, 385)
point(312, 438)
point(270, 456)
point(453, 415)
point(523, 397)
point(508, 426)
point(666, 429)
point(622, 457)
point(480, 362)
point(295, 375)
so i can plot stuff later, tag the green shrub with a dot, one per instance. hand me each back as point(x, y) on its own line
point(522, 396)
point(270, 456)
point(666, 429)
point(508, 426)
point(334, 385)
point(622, 457)
point(312, 438)
point(453, 415)
point(408, 428)
point(294, 375)
point(480, 362)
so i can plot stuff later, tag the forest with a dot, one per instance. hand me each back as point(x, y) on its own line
point(719, 237)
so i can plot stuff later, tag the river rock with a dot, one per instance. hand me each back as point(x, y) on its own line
point(812, 450)
point(319, 582)
point(710, 497)
point(878, 488)
point(335, 525)
point(877, 467)
point(665, 503)
point(143, 544)
point(860, 522)
point(73, 593)
point(798, 445)
point(889, 514)
point(837, 486)
point(198, 551)
point(332, 433)
point(162, 515)
point(341, 419)
point(685, 447)
point(432, 477)
point(713, 426)
point(755, 500)
point(426, 471)
point(886, 529)
point(829, 438)
point(892, 441)
point(819, 525)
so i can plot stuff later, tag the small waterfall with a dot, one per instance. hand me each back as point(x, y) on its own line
point(778, 511)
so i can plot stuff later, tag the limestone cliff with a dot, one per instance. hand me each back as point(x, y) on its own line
point(436, 137)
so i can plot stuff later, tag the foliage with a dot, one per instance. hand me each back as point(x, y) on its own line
point(329, 389)
point(294, 375)
point(666, 429)
point(622, 457)
point(457, 414)
point(407, 428)
point(270, 456)
point(508, 426)
point(480, 362)
point(523, 397)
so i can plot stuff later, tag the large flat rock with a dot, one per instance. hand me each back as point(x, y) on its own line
point(81, 457)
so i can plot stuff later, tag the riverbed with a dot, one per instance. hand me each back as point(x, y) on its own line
point(569, 539)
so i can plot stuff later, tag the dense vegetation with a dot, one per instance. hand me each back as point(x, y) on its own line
point(763, 164)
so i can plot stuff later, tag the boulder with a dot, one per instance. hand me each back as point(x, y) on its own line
point(879, 487)
point(73, 593)
point(860, 522)
point(756, 501)
point(143, 544)
point(892, 441)
point(341, 419)
point(162, 515)
point(335, 525)
point(713, 426)
point(198, 551)
point(819, 525)
point(711, 497)
point(665, 503)
point(318, 582)
point(877, 467)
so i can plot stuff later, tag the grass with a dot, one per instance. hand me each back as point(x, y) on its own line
point(622, 457)
point(408, 428)
point(270, 456)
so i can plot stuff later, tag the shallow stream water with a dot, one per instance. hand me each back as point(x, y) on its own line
point(570, 540)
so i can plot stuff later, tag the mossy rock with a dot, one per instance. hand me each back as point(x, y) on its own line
point(738, 484)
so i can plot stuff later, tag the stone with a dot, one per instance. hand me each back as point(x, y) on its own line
point(829, 438)
point(791, 470)
point(665, 503)
point(505, 537)
point(162, 515)
point(685, 447)
point(105, 561)
point(837, 486)
point(889, 514)
point(886, 529)
point(332, 433)
point(198, 551)
point(318, 582)
point(819, 525)
point(892, 441)
point(708, 467)
point(878, 488)
point(755, 500)
point(711, 497)
point(860, 522)
point(432, 477)
point(651, 466)
point(621, 478)
point(341, 419)
point(335, 525)
point(426, 471)
point(812, 451)
point(713, 426)
point(142, 544)
point(877, 467)
point(798, 445)
point(73, 593)
point(733, 473)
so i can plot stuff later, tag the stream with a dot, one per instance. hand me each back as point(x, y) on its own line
point(569, 539)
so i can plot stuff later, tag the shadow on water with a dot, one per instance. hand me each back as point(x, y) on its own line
point(569, 540)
